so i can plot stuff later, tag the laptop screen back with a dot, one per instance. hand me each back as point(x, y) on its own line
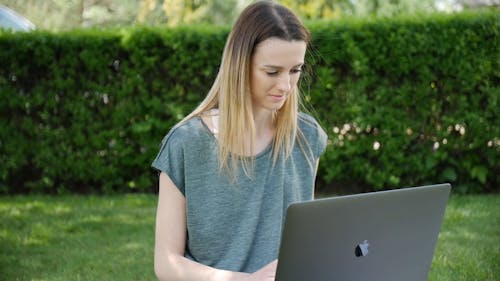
point(387, 236)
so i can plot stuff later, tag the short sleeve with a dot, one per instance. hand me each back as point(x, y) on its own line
point(170, 159)
point(321, 141)
point(315, 135)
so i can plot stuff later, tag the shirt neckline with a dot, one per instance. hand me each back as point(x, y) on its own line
point(214, 139)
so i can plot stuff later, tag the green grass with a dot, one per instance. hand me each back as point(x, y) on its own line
point(468, 247)
point(112, 237)
point(77, 238)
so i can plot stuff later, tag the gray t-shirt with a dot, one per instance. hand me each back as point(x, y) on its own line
point(236, 224)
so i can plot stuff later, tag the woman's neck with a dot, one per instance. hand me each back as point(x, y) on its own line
point(264, 127)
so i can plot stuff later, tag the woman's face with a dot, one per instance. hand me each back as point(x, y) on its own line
point(275, 70)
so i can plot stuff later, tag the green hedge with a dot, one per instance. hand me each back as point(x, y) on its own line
point(424, 91)
point(85, 111)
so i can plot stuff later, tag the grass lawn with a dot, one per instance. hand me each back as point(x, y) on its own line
point(111, 238)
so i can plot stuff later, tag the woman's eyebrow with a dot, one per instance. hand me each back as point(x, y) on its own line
point(280, 67)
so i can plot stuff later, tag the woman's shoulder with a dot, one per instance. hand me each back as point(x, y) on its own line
point(185, 132)
point(312, 131)
point(187, 125)
point(307, 122)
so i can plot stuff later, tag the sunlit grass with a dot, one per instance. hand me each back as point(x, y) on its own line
point(469, 243)
point(112, 237)
point(77, 238)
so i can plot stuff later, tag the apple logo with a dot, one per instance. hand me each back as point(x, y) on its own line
point(362, 249)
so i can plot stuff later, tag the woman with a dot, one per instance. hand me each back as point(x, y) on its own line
point(230, 169)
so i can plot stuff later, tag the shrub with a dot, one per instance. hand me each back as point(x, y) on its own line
point(405, 102)
point(410, 102)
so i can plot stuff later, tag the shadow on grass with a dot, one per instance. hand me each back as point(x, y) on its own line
point(77, 238)
point(112, 238)
point(469, 242)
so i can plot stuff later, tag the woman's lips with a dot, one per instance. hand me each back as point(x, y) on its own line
point(277, 98)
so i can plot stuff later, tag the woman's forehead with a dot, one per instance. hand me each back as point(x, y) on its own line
point(279, 52)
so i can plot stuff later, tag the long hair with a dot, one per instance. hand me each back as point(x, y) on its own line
point(230, 92)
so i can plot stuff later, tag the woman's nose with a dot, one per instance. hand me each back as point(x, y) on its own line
point(285, 83)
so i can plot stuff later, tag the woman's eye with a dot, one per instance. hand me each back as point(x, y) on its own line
point(276, 73)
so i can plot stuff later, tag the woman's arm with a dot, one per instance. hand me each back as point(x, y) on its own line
point(170, 240)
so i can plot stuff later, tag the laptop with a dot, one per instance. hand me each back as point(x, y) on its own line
point(378, 236)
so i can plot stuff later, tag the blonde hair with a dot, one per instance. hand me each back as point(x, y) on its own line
point(230, 92)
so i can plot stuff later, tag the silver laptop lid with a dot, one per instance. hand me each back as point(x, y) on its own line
point(386, 236)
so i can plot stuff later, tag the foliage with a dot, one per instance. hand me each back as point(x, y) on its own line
point(112, 238)
point(404, 102)
point(175, 12)
point(389, 8)
point(57, 15)
point(410, 102)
